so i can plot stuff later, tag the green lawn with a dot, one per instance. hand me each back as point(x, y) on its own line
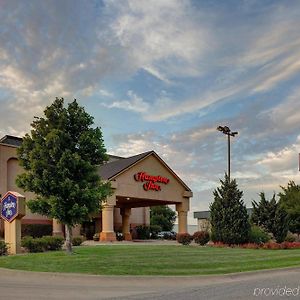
point(153, 260)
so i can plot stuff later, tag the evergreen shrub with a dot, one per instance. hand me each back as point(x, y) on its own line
point(46, 243)
point(143, 232)
point(77, 240)
point(258, 235)
point(228, 214)
point(290, 238)
point(3, 248)
point(53, 243)
point(33, 245)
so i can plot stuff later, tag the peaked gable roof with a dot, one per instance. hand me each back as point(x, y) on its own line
point(111, 170)
point(11, 140)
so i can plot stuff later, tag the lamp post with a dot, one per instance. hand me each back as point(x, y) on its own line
point(226, 130)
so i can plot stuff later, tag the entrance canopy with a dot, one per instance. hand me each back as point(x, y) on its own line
point(144, 180)
point(140, 181)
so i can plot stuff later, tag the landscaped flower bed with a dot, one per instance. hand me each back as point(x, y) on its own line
point(269, 245)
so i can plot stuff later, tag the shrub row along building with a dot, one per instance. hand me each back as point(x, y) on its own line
point(138, 182)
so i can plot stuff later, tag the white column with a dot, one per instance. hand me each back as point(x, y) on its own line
point(57, 228)
point(125, 213)
point(107, 233)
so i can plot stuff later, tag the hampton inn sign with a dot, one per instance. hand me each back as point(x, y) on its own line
point(138, 182)
point(151, 181)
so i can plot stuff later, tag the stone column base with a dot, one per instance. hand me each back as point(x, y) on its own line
point(108, 236)
point(127, 236)
point(57, 233)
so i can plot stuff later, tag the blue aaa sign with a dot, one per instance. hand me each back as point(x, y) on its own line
point(9, 207)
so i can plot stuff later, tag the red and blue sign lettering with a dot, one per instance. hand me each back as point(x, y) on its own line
point(9, 207)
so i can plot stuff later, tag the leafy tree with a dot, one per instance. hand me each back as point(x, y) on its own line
point(271, 216)
point(60, 158)
point(163, 216)
point(290, 200)
point(228, 214)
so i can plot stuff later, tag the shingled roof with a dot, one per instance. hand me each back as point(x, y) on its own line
point(11, 140)
point(109, 170)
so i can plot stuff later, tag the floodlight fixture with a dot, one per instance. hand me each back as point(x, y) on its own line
point(226, 130)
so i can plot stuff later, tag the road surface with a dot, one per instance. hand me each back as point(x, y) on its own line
point(274, 284)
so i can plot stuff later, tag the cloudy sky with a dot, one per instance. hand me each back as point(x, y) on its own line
point(162, 75)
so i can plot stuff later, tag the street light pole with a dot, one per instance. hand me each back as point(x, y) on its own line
point(226, 130)
point(228, 139)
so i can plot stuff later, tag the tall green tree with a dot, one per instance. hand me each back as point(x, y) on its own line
point(60, 157)
point(289, 199)
point(228, 214)
point(281, 224)
point(264, 212)
point(162, 216)
point(270, 215)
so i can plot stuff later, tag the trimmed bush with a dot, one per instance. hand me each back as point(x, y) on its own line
point(184, 238)
point(258, 235)
point(290, 238)
point(46, 243)
point(36, 230)
point(143, 232)
point(77, 240)
point(33, 245)
point(3, 248)
point(201, 237)
point(53, 243)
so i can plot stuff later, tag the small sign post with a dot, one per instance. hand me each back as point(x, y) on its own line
point(12, 211)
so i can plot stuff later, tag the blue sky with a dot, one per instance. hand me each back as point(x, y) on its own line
point(163, 75)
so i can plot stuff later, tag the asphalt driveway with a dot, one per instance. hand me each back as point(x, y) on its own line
point(273, 284)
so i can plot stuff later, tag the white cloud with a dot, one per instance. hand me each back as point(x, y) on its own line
point(283, 160)
point(106, 93)
point(287, 113)
point(279, 72)
point(135, 103)
point(47, 52)
point(150, 31)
